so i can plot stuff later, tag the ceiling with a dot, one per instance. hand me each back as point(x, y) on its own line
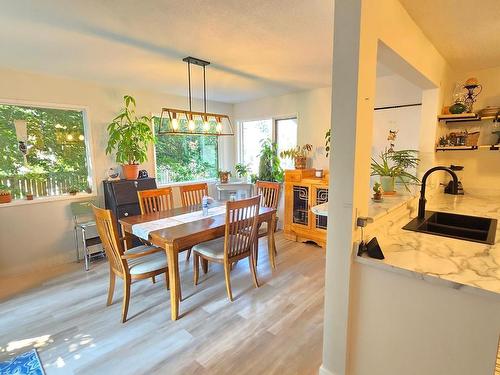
point(466, 33)
point(257, 48)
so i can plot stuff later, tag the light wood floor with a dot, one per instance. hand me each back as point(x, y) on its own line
point(276, 329)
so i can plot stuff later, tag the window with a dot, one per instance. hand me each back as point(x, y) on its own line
point(254, 132)
point(185, 157)
point(43, 150)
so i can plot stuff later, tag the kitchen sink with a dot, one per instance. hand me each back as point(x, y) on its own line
point(462, 227)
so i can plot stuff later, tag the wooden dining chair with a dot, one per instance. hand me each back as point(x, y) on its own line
point(237, 243)
point(269, 192)
point(191, 195)
point(141, 262)
point(155, 200)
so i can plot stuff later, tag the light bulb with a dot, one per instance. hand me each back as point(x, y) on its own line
point(219, 126)
point(206, 125)
point(69, 137)
point(175, 124)
point(81, 137)
point(191, 125)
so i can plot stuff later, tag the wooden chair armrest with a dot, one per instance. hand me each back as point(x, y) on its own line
point(141, 254)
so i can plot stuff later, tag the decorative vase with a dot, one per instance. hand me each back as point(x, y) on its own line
point(130, 171)
point(300, 162)
point(5, 198)
point(224, 177)
point(377, 197)
point(387, 183)
point(29, 197)
point(457, 108)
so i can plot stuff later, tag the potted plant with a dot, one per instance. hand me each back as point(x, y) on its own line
point(393, 165)
point(269, 163)
point(377, 192)
point(29, 197)
point(298, 154)
point(241, 170)
point(129, 136)
point(5, 194)
point(73, 190)
point(224, 176)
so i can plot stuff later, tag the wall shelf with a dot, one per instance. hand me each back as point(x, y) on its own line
point(469, 148)
point(464, 117)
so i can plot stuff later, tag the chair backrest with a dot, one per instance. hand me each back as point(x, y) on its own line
point(155, 200)
point(106, 227)
point(241, 226)
point(270, 192)
point(192, 194)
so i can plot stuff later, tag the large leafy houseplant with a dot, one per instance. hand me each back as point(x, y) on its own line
point(269, 163)
point(130, 136)
point(298, 154)
point(393, 165)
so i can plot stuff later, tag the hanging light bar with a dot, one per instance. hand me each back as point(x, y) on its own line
point(189, 122)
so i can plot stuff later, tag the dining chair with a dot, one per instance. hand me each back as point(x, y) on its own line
point(192, 195)
point(269, 191)
point(155, 200)
point(141, 262)
point(237, 243)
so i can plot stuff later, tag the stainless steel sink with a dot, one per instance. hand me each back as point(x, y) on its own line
point(463, 227)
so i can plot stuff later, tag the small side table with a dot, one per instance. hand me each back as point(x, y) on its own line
point(240, 189)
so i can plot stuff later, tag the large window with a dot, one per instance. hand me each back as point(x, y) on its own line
point(43, 150)
point(283, 131)
point(185, 157)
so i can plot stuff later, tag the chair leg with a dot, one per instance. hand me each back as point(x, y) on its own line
point(227, 274)
point(154, 280)
point(188, 255)
point(111, 290)
point(251, 264)
point(204, 265)
point(196, 266)
point(126, 298)
point(167, 280)
point(256, 251)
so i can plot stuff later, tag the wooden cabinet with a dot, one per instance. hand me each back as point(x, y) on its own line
point(303, 191)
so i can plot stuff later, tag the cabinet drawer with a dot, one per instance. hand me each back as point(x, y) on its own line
point(127, 210)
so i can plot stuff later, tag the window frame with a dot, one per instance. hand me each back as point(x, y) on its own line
point(89, 154)
point(180, 183)
point(274, 129)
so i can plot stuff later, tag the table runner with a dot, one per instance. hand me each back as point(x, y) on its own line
point(142, 230)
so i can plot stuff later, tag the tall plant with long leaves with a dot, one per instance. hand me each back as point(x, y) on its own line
point(395, 164)
point(129, 135)
point(269, 163)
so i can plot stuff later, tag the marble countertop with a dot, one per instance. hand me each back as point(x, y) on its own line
point(457, 263)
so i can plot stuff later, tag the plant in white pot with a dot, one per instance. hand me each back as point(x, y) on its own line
point(130, 135)
point(393, 165)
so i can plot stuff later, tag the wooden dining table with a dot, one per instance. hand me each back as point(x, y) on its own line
point(179, 238)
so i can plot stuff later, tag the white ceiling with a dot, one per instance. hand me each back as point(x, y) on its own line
point(465, 32)
point(257, 48)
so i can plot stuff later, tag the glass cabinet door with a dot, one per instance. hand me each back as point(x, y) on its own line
point(301, 205)
point(321, 196)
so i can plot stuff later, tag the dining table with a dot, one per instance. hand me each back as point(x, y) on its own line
point(179, 229)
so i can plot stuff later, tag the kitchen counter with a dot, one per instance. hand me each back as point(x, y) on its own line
point(456, 263)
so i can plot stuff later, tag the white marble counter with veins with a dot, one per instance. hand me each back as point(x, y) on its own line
point(456, 263)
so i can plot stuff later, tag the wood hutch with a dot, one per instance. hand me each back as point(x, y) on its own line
point(302, 191)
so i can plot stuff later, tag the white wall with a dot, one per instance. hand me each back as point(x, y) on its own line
point(36, 236)
point(312, 108)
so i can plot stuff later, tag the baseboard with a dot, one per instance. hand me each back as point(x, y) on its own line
point(324, 371)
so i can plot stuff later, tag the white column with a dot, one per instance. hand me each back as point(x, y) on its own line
point(347, 17)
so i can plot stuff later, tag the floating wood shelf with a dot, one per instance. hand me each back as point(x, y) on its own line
point(469, 148)
point(464, 117)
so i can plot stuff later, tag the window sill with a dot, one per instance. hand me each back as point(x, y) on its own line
point(22, 202)
point(208, 181)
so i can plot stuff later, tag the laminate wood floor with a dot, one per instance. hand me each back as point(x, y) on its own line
point(276, 329)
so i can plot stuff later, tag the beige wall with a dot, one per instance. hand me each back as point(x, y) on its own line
point(36, 236)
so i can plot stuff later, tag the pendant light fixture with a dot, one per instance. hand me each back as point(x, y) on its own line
point(189, 122)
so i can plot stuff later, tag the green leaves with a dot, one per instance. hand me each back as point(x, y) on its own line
point(328, 137)
point(269, 163)
point(395, 164)
point(299, 151)
point(129, 135)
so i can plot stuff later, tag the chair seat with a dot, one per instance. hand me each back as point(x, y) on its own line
point(148, 263)
point(212, 248)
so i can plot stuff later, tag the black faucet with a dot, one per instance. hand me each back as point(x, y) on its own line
point(422, 200)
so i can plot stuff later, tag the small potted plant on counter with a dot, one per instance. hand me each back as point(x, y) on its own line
point(393, 165)
point(130, 136)
point(242, 170)
point(377, 192)
point(5, 194)
point(224, 176)
point(298, 154)
point(73, 190)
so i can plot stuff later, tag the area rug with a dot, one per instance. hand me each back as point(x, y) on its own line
point(24, 364)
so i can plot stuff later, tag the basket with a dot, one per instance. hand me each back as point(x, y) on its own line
point(472, 139)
